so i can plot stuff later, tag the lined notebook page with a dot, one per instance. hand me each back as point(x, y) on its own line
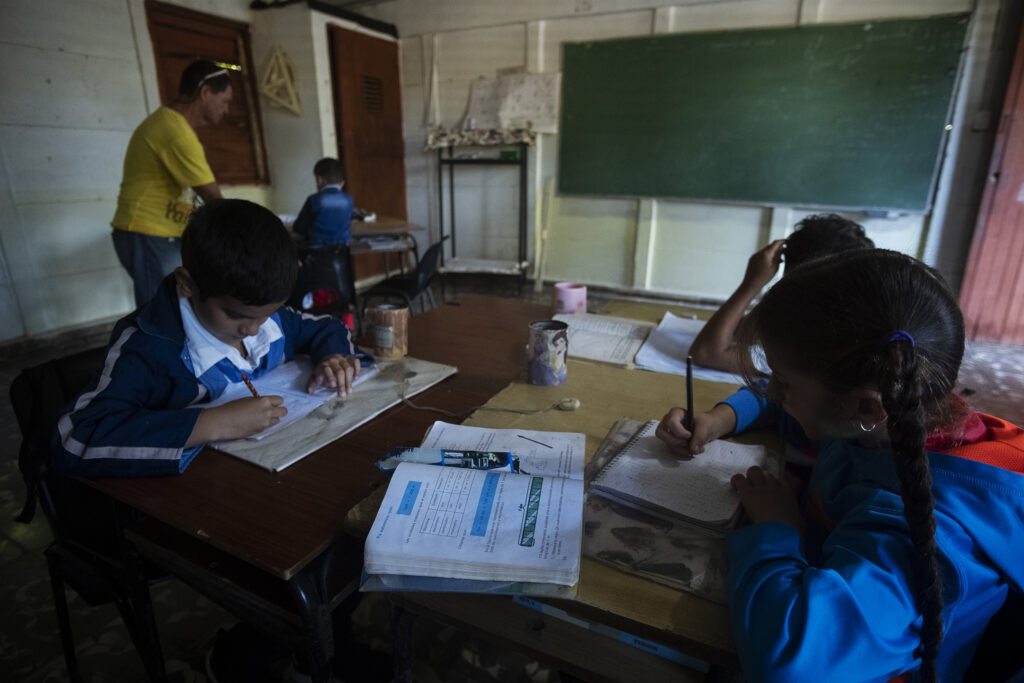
point(698, 488)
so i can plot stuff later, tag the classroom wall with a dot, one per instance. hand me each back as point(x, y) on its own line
point(667, 246)
point(76, 77)
point(296, 142)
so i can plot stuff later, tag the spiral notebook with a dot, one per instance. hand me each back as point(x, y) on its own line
point(646, 476)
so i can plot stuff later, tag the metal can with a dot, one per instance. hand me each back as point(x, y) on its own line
point(547, 352)
point(390, 325)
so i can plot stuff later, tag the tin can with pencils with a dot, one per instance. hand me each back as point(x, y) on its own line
point(547, 352)
point(390, 324)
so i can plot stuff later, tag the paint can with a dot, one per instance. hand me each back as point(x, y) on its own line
point(547, 352)
point(390, 324)
point(569, 297)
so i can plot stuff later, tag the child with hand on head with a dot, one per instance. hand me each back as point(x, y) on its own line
point(326, 217)
point(911, 534)
point(815, 236)
point(216, 318)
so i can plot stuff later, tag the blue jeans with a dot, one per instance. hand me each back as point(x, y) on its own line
point(147, 259)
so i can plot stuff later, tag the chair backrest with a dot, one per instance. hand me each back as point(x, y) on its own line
point(38, 394)
point(326, 268)
point(427, 266)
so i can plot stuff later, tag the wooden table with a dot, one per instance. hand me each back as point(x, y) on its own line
point(270, 546)
point(385, 227)
point(588, 641)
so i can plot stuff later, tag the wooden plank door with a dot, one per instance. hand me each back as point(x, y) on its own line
point(992, 294)
point(368, 118)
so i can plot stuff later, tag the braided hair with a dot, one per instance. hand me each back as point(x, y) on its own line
point(877, 318)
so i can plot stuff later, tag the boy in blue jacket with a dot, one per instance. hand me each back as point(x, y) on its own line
point(326, 217)
point(216, 318)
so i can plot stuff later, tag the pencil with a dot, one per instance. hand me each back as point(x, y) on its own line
point(689, 395)
point(245, 378)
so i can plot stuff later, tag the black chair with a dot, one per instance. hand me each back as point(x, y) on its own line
point(87, 551)
point(409, 286)
point(325, 273)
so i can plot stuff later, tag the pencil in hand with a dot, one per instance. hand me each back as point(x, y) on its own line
point(689, 395)
point(248, 383)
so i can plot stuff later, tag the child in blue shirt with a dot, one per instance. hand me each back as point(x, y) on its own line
point(911, 535)
point(215, 318)
point(326, 217)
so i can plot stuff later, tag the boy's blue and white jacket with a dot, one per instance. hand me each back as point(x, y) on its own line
point(840, 607)
point(140, 414)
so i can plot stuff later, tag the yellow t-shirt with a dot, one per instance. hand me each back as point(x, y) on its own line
point(164, 159)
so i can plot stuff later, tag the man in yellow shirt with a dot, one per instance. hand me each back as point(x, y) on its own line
point(165, 159)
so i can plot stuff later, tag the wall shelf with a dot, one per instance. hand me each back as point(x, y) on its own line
point(472, 265)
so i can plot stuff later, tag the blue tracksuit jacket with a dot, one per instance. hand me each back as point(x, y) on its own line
point(137, 418)
point(848, 614)
point(326, 217)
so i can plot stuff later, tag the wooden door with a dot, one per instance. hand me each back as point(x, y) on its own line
point(992, 295)
point(234, 147)
point(368, 119)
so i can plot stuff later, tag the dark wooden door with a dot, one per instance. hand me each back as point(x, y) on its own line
point(368, 119)
point(234, 147)
point(992, 294)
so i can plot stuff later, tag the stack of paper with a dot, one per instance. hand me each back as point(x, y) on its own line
point(604, 338)
point(698, 492)
point(288, 381)
point(484, 525)
point(668, 345)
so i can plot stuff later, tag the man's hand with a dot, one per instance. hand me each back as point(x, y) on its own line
point(337, 372)
point(767, 499)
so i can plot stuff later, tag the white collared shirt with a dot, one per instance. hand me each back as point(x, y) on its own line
point(206, 350)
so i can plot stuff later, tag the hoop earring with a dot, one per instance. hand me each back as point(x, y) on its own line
point(866, 429)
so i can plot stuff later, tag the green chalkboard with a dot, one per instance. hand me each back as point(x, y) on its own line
point(849, 115)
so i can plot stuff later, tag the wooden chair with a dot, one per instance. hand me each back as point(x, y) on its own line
point(87, 552)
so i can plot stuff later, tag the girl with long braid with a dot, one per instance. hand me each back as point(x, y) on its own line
point(912, 531)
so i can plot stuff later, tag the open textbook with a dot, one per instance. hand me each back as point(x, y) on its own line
point(666, 348)
point(484, 530)
point(645, 475)
point(604, 338)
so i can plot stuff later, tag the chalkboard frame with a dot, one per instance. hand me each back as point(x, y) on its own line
point(880, 92)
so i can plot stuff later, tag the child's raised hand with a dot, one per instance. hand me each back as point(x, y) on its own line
point(763, 265)
point(337, 372)
point(767, 499)
point(237, 419)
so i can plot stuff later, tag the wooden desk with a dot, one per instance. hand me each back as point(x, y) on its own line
point(607, 597)
point(385, 226)
point(257, 541)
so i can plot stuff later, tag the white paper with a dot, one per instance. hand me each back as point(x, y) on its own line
point(477, 524)
point(395, 381)
point(514, 101)
point(288, 381)
point(668, 345)
point(546, 454)
point(604, 338)
point(698, 488)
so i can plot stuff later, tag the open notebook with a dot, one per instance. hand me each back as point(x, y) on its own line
point(646, 476)
point(288, 381)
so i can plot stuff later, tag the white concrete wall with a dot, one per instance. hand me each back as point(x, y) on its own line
point(665, 246)
point(76, 77)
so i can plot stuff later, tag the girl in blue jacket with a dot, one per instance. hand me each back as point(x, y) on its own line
point(912, 532)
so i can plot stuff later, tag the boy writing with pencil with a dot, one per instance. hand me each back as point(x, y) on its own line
point(218, 319)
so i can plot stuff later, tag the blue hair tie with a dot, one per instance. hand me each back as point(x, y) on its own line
point(901, 335)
